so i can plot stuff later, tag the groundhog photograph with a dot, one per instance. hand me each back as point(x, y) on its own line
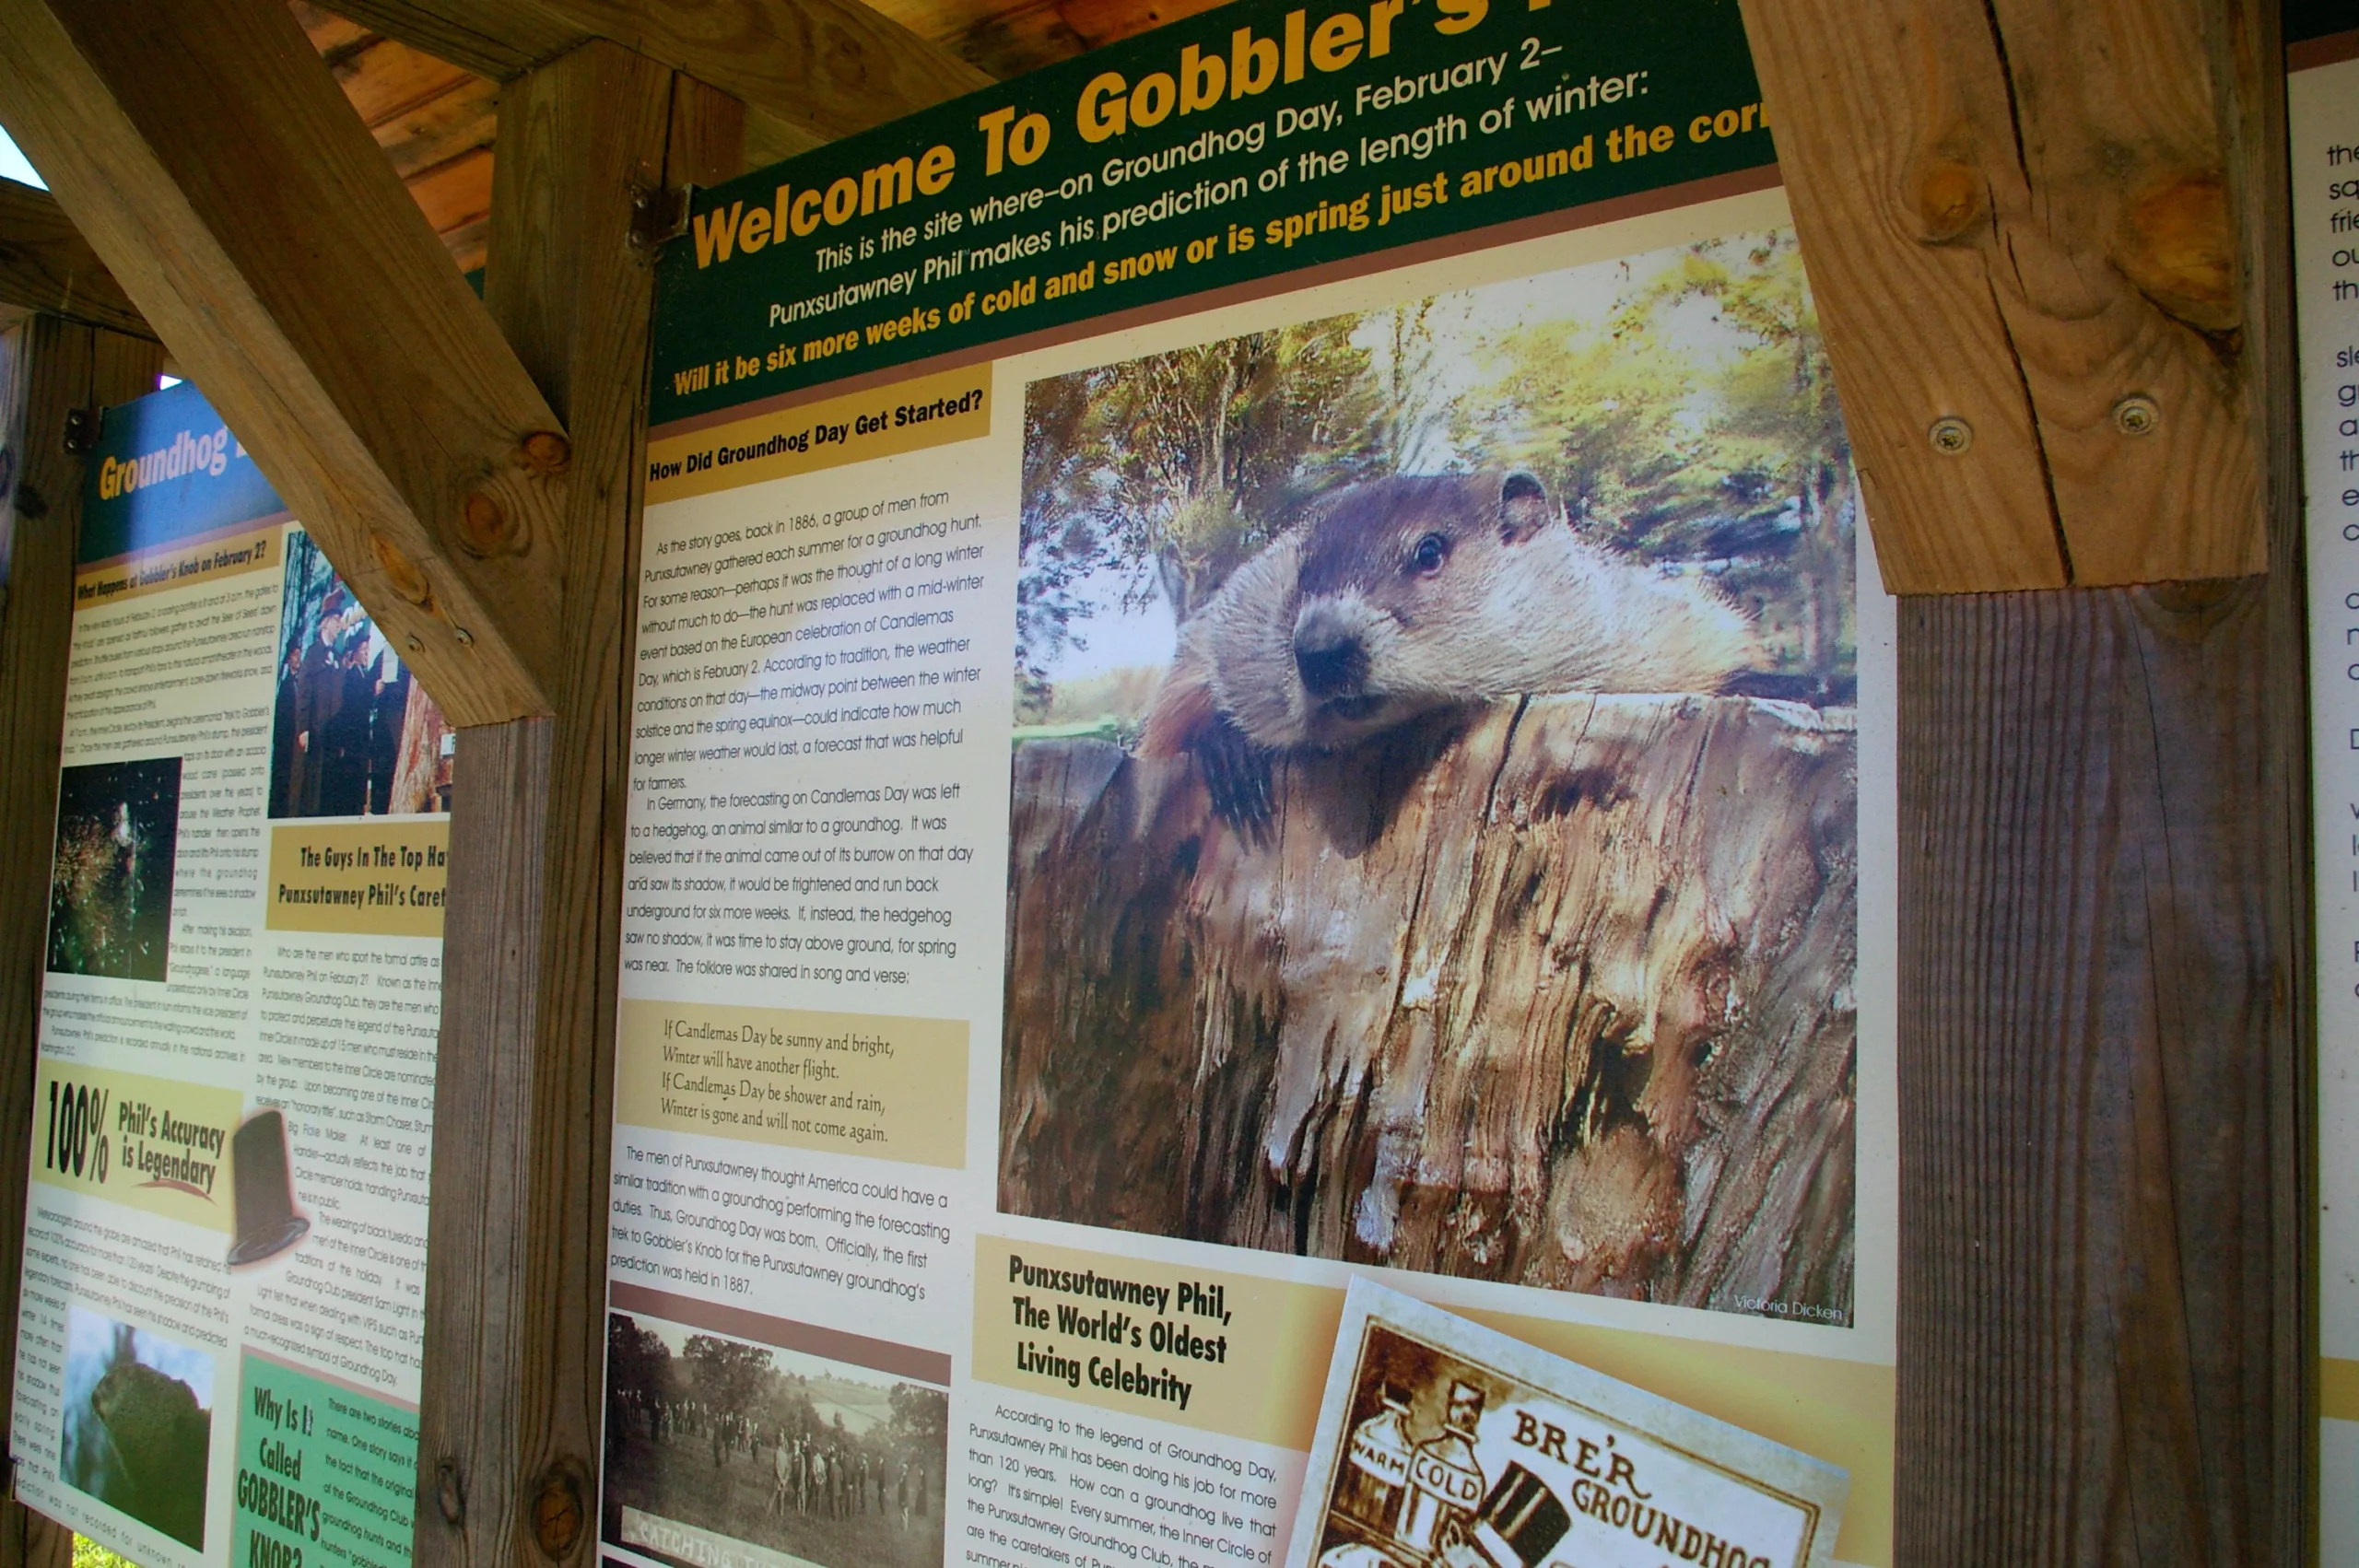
point(1436, 777)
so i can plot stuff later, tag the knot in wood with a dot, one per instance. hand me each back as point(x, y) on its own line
point(556, 1514)
point(2177, 247)
point(1949, 199)
point(401, 571)
point(545, 451)
point(483, 525)
point(448, 1490)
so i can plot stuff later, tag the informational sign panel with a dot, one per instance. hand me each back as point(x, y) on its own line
point(2322, 123)
point(1257, 668)
point(225, 1242)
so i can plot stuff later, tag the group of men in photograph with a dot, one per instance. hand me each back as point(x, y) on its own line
point(343, 696)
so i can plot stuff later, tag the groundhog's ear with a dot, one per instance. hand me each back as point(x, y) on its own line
point(1524, 508)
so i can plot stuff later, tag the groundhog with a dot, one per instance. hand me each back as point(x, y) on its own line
point(164, 1439)
point(1406, 595)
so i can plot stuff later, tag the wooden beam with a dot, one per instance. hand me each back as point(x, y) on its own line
point(2023, 235)
point(45, 264)
point(2107, 1147)
point(49, 368)
point(822, 68)
point(205, 152)
point(2101, 1356)
point(516, 1282)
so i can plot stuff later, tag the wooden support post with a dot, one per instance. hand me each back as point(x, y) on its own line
point(2066, 226)
point(45, 264)
point(49, 368)
point(819, 68)
point(2100, 1345)
point(516, 1269)
point(206, 153)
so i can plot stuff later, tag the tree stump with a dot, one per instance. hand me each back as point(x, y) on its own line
point(1556, 992)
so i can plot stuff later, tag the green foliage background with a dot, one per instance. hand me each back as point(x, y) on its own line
point(1164, 473)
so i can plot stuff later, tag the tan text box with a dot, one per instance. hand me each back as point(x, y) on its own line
point(358, 878)
point(929, 411)
point(204, 560)
point(1280, 1335)
point(155, 1144)
point(847, 1083)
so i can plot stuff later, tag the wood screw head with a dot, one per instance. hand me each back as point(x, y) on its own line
point(2136, 415)
point(467, 639)
point(414, 643)
point(1950, 435)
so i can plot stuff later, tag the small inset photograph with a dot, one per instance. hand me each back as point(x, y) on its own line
point(354, 735)
point(110, 882)
point(724, 1450)
point(138, 1428)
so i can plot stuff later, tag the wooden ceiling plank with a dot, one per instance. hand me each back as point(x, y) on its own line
point(330, 33)
point(46, 265)
point(2025, 259)
point(459, 191)
point(209, 160)
point(499, 40)
point(457, 121)
point(389, 78)
point(825, 67)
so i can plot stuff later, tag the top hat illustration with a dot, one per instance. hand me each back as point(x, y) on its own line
point(262, 1190)
point(1520, 1523)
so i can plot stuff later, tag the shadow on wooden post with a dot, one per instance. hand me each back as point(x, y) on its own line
point(516, 1270)
point(2099, 963)
point(48, 368)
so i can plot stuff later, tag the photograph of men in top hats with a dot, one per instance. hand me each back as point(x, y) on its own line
point(354, 735)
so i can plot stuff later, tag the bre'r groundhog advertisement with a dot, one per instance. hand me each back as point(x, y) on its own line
point(1433, 833)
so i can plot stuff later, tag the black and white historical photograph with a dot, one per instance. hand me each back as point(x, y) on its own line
point(724, 1452)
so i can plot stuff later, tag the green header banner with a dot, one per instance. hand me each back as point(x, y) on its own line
point(1258, 139)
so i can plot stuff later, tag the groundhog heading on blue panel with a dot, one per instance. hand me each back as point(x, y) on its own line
point(1407, 595)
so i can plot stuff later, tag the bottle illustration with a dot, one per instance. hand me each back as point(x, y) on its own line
point(1520, 1524)
point(1445, 1483)
point(1377, 1481)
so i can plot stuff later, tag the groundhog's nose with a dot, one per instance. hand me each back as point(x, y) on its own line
point(1328, 652)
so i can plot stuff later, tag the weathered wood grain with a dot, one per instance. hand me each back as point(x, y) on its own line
point(205, 151)
point(516, 1270)
point(45, 264)
point(1557, 995)
point(30, 1539)
point(2021, 217)
point(2098, 1032)
point(826, 67)
point(2107, 1266)
point(48, 367)
point(501, 43)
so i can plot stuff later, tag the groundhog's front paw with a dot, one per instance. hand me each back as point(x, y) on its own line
point(1236, 777)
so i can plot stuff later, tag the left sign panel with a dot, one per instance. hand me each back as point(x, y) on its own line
point(225, 1236)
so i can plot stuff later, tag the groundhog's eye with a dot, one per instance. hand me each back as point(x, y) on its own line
point(1429, 555)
